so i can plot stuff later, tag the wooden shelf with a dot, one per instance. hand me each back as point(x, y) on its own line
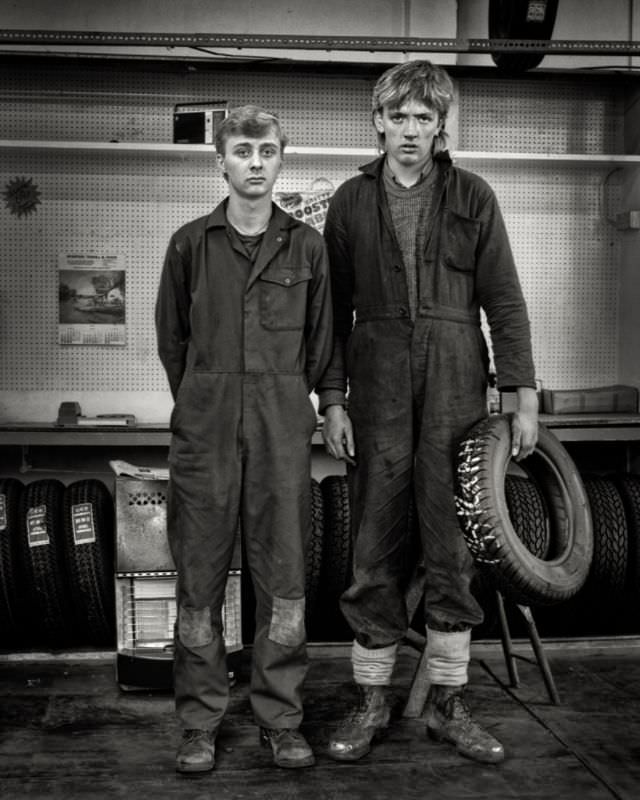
point(567, 427)
point(162, 148)
point(48, 435)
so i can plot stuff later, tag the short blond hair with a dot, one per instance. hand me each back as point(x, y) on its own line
point(251, 121)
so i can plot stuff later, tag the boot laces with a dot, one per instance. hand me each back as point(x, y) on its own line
point(283, 734)
point(193, 734)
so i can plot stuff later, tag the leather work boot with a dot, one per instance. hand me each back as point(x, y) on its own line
point(289, 747)
point(197, 751)
point(368, 721)
point(449, 720)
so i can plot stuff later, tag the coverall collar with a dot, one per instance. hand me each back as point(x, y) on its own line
point(275, 237)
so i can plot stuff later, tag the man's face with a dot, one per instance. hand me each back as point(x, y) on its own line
point(251, 165)
point(408, 131)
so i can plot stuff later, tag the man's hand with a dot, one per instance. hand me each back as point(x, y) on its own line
point(337, 433)
point(524, 424)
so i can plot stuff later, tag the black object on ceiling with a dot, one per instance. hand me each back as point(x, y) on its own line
point(521, 19)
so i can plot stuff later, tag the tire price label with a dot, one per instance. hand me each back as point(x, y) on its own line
point(84, 531)
point(37, 533)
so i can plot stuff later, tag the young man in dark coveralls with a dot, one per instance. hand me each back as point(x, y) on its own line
point(417, 246)
point(244, 327)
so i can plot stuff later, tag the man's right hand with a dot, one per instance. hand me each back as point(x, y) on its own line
point(337, 433)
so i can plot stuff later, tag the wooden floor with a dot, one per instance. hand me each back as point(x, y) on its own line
point(67, 731)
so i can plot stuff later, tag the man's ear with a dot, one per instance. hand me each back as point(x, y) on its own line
point(220, 160)
point(377, 121)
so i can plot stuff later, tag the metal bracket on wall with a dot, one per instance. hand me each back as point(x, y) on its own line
point(241, 41)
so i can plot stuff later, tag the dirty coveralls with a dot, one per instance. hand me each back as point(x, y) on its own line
point(417, 386)
point(242, 345)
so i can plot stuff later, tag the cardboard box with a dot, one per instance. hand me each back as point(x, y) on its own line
point(616, 399)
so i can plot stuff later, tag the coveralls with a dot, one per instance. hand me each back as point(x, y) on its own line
point(416, 386)
point(242, 344)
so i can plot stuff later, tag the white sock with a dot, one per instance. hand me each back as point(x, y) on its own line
point(373, 667)
point(448, 657)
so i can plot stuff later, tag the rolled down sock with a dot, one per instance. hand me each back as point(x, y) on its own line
point(373, 667)
point(448, 657)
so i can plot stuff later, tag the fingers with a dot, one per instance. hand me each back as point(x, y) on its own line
point(516, 441)
point(524, 438)
point(341, 449)
point(338, 438)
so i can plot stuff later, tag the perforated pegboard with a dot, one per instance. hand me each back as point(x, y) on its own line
point(130, 203)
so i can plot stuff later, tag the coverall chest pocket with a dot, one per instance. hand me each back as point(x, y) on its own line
point(460, 241)
point(283, 297)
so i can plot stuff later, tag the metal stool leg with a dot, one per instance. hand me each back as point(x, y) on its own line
point(507, 646)
point(541, 657)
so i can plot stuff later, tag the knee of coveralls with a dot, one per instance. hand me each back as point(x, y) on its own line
point(276, 526)
point(380, 487)
point(201, 534)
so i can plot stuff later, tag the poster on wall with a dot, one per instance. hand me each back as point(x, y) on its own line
point(91, 299)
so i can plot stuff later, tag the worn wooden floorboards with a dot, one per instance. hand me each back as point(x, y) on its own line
point(67, 731)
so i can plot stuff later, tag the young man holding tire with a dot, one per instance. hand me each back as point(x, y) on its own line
point(417, 247)
point(244, 327)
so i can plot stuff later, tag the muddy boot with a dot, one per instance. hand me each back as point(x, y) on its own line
point(289, 747)
point(361, 726)
point(449, 720)
point(196, 752)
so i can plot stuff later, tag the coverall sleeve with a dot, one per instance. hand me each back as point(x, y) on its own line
point(333, 386)
point(319, 320)
point(500, 294)
point(172, 315)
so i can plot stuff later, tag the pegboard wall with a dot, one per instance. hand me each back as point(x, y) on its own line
point(130, 203)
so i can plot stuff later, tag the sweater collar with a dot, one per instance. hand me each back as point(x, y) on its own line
point(374, 168)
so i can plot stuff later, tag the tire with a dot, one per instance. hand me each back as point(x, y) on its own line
point(508, 19)
point(604, 590)
point(10, 582)
point(313, 565)
point(528, 514)
point(51, 618)
point(89, 542)
point(338, 557)
point(629, 487)
point(482, 461)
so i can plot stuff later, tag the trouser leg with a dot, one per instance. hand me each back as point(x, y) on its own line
point(202, 529)
point(374, 604)
point(380, 491)
point(277, 529)
point(449, 399)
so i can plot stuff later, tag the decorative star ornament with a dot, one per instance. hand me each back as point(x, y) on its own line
point(21, 196)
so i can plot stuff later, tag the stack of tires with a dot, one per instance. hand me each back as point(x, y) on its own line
point(56, 564)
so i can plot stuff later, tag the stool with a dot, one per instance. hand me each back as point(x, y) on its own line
point(420, 685)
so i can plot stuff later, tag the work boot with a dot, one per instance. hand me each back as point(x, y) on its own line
point(289, 747)
point(368, 721)
point(197, 751)
point(449, 720)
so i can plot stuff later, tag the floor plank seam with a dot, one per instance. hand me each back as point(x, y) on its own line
point(582, 759)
